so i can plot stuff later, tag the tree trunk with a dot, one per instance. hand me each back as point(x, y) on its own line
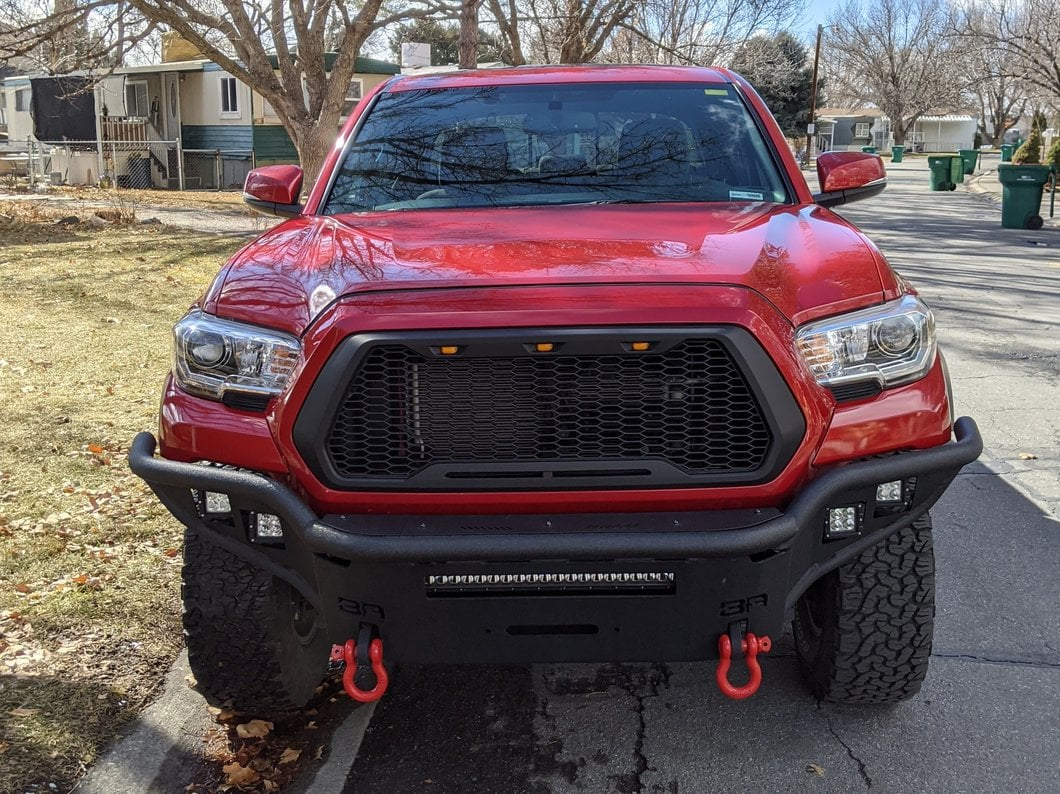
point(313, 142)
point(469, 34)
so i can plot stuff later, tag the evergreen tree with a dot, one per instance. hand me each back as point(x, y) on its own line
point(778, 68)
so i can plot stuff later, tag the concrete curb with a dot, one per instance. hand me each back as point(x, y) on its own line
point(165, 738)
point(165, 743)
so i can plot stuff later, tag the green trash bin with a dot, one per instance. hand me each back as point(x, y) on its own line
point(1006, 152)
point(947, 171)
point(1021, 194)
point(869, 149)
point(896, 153)
point(971, 160)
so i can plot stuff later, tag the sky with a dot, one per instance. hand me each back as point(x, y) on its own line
point(816, 13)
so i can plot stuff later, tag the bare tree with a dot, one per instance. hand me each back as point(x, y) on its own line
point(558, 31)
point(508, 17)
point(1023, 37)
point(276, 47)
point(996, 70)
point(66, 35)
point(706, 31)
point(893, 54)
point(468, 34)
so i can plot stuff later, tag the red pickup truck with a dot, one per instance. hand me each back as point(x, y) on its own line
point(557, 364)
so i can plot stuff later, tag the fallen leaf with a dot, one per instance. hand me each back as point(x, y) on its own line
point(171, 552)
point(95, 449)
point(224, 715)
point(20, 712)
point(1028, 456)
point(253, 729)
point(311, 725)
point(289, 755)
point(817, 770)
point(22, 587)
point(239, 775)
point(271, 785)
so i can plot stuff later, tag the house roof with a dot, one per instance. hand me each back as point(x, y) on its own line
point(361, 66)
point(848, 113)
point(949, 117)
point(172, 66)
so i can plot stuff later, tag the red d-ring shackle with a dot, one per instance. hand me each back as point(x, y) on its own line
point(751, 646)
point(375, 654)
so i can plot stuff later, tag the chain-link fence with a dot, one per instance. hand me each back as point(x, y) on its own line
point(121, 164)
point(216, 169)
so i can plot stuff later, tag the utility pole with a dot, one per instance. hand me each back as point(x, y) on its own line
point(810, 125)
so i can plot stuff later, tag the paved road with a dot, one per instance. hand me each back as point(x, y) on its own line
point(988, 717)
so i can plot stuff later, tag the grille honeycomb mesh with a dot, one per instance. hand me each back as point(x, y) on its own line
point(690, 406)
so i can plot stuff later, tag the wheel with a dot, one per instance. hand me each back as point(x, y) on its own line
point(952, 186)
point(254, 644)
point(863, 632)
point(1035, 222)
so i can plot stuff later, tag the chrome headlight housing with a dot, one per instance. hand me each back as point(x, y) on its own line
point(891, 344)
point(212, 356)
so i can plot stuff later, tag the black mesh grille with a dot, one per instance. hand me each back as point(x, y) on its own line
point(690, 406)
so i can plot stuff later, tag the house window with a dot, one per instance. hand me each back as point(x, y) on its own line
point(353, 96)
point(229, 97)
point(136, 99)
point(861, 129)
point(22, 99)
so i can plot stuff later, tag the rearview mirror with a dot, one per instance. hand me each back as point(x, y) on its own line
point(274, 190)
point(849, 176)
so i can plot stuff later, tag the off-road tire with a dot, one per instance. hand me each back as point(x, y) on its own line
point(254, 645)
point(863, 632)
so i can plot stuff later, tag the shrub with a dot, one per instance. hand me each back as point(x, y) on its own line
point(1052, 157)
point(1031, 150)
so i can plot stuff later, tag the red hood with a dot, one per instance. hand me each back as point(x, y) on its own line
point(805, 260)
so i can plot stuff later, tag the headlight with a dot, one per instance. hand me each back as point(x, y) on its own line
point(890, 344)
point(212, 356)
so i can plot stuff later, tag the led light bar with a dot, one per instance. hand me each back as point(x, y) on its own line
point(545, 583)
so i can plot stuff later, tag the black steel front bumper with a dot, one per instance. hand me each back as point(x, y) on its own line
point(544, 588)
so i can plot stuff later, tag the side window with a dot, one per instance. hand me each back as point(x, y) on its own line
point(22, 99)
point(861, 129)
point(353, 96)
point(229, 97)
point(136, 99)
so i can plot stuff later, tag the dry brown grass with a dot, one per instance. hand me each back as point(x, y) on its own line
point(231, 200)
point(89, 561)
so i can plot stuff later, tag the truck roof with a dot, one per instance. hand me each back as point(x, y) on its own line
point(581, 73)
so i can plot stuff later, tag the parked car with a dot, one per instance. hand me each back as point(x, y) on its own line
point(557, 364)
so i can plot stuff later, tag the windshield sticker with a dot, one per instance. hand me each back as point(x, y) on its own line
point(716, 91)
point(745, 195)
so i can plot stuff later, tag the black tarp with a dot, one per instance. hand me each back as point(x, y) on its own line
point(63, 109)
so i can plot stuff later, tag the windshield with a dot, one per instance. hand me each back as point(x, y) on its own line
point(533, 145)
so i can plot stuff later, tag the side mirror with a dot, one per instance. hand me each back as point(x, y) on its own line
point(849, 176)
point(274, 190)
